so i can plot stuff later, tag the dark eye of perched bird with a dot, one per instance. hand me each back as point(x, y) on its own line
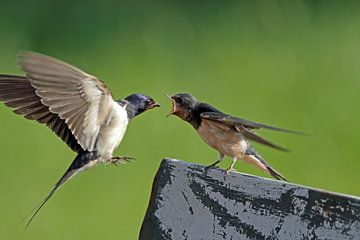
point(179, 100)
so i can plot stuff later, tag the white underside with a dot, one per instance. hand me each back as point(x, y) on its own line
point(112, 132)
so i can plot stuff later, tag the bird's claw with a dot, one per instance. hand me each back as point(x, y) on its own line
point(121, 159)
point(207, 168)
point(230, 170)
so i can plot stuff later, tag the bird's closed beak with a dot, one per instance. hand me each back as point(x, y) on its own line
point(154, 105)
point(173, 105)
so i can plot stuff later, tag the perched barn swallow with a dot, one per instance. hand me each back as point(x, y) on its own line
point(227, 134)
point(78, 107)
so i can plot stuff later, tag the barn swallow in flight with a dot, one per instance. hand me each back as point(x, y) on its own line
point(77, 106)
point(227, 134)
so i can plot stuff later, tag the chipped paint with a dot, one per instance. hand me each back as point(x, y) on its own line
point(188, 204)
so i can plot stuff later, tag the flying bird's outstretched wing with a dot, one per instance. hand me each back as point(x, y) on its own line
point(80, 99)
point(71, 102)
point(17, 92)
point(246, 127)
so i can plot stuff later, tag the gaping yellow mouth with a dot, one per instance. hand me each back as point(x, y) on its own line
point(173, 106)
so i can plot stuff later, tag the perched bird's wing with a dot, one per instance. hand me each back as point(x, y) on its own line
point(252, 136)
point(230, 120)
point(17, 92)
point(245, 127)
point(81, 100)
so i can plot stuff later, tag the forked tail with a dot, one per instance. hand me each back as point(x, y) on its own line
point(264, 165)
point(82, 161)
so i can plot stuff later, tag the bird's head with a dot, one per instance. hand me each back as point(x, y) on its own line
point(139, 103)
point(183, 105)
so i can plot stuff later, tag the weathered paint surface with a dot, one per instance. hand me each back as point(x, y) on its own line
point(186, 203)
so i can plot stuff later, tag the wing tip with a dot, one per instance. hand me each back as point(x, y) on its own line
point(299, 133)
point(21, 56)
point(283, 149)
point(24, 55)
point(286, 130)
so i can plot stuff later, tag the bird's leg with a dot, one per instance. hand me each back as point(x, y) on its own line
point(231, 168)
point(120, 159)
point(221, 157)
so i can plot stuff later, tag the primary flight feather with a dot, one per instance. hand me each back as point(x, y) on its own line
point(77, 106)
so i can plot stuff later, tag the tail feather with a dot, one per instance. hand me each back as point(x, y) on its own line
point(82, 161)
point(276, 174)
point(37, 208)
point(265, 166)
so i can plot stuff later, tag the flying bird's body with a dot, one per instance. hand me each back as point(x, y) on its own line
point(227, 134)
point(112, 132)
point(78, 107)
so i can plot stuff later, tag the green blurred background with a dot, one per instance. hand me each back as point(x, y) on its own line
point(293, 64)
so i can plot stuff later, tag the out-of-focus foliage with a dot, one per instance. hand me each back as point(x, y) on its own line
point(292, 64)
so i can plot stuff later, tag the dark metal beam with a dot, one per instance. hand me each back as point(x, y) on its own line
point(187, 203)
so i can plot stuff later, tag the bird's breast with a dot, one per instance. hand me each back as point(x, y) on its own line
point(112, 131)
point(222, 138)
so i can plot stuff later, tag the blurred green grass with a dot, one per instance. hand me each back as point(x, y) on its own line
point(292, 64)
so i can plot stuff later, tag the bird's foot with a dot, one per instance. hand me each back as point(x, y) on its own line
point(230, 170)
point(213, 165)
point(207, 168)
point(121, 159)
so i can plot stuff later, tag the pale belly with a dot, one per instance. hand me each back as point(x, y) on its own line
point(222, 138)
point(112, 133)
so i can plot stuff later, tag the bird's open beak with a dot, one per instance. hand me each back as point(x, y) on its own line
point(173, 105)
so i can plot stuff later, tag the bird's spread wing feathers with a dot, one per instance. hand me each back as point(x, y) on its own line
point(78, 98)
point(17, 92)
